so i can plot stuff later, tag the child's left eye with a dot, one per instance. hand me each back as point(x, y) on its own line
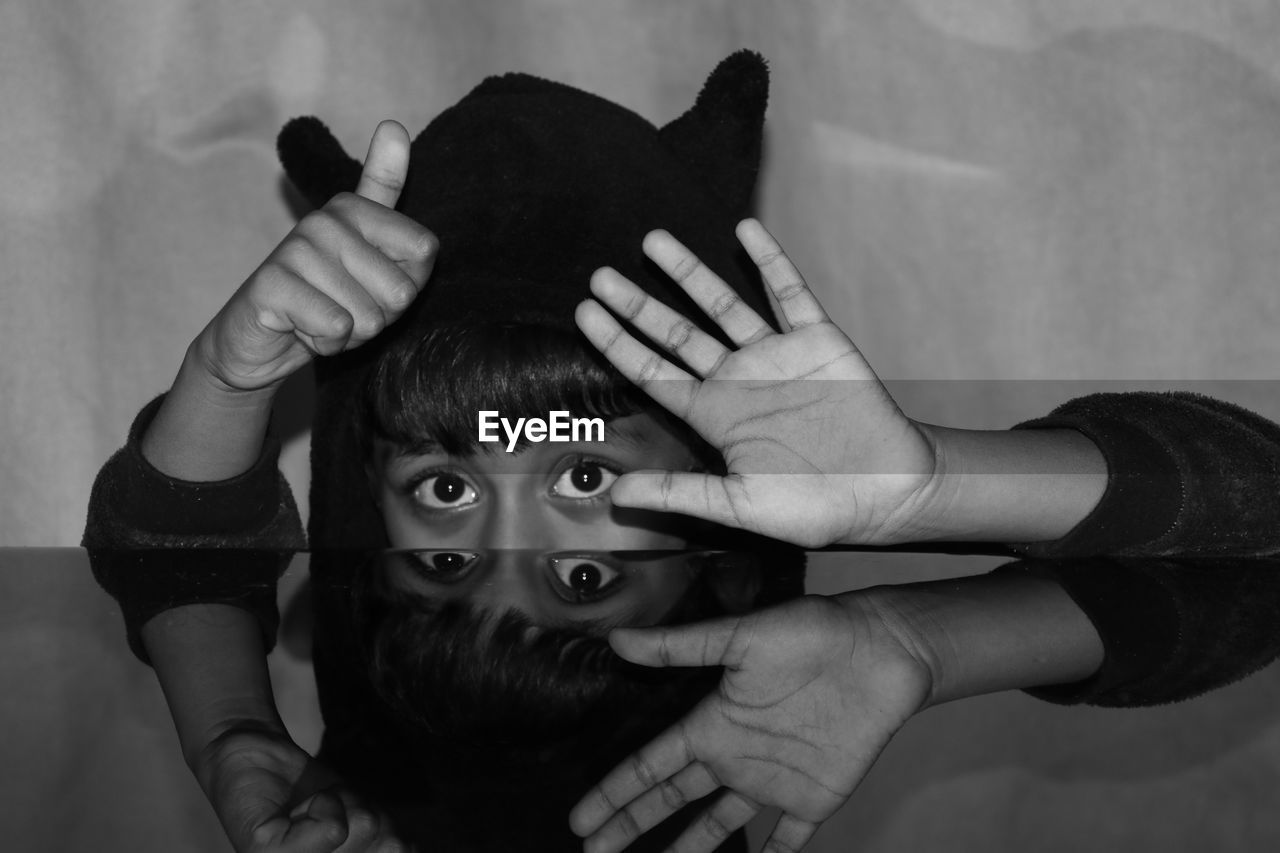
point(584, 480)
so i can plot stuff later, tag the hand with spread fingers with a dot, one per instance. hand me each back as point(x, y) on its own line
point(816, 450)
point(812, 692)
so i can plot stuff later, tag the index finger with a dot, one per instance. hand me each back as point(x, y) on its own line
point(386, 164)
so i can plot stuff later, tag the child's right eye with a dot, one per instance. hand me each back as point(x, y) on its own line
point(444, 491)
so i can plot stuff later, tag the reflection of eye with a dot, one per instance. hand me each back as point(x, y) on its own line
point(444, 565)
point(585, 480)
point(582, 580)
point(444, 491)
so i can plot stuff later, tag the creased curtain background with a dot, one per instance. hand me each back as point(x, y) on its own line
point(1004, 202)
point(978, 189)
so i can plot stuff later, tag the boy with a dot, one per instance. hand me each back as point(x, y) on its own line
point(346, 274)
point(514, 171)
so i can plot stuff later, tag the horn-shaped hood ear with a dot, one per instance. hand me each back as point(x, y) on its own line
point(314, 160)
point(720, 137)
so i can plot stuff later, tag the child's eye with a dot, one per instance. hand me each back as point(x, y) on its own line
point(444, 566)
point(444, 491)
point(582, 580)
point(586, 479)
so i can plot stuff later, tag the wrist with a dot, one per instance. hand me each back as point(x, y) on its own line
point(1007, 485)
point(903, 621)
point(882, 620)
point(204, 432)
point(919, 517)
point(232, 718)
point(200, 369)
point(988, 633)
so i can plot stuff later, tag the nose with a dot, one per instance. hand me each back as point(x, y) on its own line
point(510, 582)
point(516, 521)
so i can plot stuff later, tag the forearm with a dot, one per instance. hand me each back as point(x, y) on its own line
point(204, 432)
point(1009, 485)
point(212, 667)
point(988, 633)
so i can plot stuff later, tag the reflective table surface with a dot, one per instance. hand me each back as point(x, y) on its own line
point(91, 761)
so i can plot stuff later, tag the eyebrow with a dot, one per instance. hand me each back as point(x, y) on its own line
point(629, 437)
point(625, 435)
point(422, 447)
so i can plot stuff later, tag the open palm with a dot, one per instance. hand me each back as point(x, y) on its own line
point(816, 450)
point(812, 692)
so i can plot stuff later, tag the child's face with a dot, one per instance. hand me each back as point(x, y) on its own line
point(546, 499)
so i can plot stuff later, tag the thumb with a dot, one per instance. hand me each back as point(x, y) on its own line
point(386, 164)
point(696, 644)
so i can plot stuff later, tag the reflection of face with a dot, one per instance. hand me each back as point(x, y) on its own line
point(544, 498)
point(590, 591)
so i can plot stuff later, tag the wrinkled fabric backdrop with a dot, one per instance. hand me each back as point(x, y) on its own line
point(1004, 202)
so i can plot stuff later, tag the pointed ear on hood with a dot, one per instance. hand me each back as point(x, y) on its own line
point(315, 162)
point(720, 137)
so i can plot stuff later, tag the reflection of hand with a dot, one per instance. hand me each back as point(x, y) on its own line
point(828, 459)
point(341, 276)
point(812, 692)
point(272, 797)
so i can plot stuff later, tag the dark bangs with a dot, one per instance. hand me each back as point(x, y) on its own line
point(429, 391)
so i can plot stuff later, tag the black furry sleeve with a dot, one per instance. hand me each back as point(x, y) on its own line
point(156, 543)
point(1188, 476)
point(1194, 481)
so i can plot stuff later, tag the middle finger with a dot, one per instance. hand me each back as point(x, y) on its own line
point(708, 290)
point(677, 334)
point(653, 807)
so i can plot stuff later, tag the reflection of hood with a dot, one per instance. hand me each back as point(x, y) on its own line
point(452, 728)
point(545, 697)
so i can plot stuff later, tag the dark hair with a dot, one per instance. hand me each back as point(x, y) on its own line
point(490, 711)
point(458, 674)
point(426, 390)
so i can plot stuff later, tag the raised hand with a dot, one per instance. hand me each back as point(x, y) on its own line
point(342, 275)
point(817, 451)
point(272, 797)
point(812, 692)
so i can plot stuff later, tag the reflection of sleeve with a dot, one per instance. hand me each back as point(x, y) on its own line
point(1172, 629)
point(156, 543)
point(1189, 475)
